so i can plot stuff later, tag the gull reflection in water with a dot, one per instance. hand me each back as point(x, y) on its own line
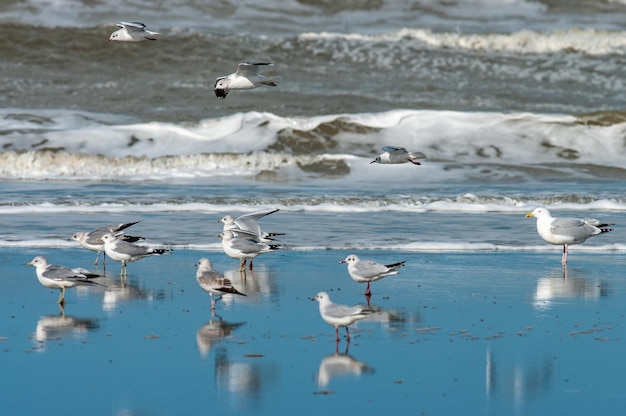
point(212, 332)
point(338, 365)
point(118, 292)
point(257, 284)
point(54, 327)
point(390, 320)
point(522, 378)
point(554, 287)
point(244, 380)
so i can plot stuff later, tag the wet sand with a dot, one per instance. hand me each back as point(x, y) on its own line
point(474, 332)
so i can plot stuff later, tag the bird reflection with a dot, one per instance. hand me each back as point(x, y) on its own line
point(337, 364)
point(118, 292)
point(524, 379)
point(392, 321)
point(52, 327)
point(244, 380)
point(554, 287)
point(213, 331)
point(257, 284)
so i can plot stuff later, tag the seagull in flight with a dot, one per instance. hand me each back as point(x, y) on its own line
point(246, 77)
point(132, 32)
point(394, 155)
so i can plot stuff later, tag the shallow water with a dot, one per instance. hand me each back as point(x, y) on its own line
point(479, 333)
point(516, 104)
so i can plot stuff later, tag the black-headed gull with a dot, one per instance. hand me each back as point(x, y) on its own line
point(394, 155)
point(91, 240)
point(248, 225)
point(340, 315)
point(132, 32)
point(367, 271)
point(566, 231)
point(246, 77)
point(213, 282)
point(61, 277)
point(243, 248)
point(125, 252)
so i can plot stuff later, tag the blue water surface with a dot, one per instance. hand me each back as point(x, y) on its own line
point(473, 333)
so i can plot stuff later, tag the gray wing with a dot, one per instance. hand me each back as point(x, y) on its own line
point(93, 236)
point(130, 249)
point(209, 275)
point(55, 272)
point(247, 234)
point(341, 311)
point(574, 227)
point(369, 268)
point(250, 221)
point(392, 149)
point(250, 68)
point(247, 246)
point(132, 26)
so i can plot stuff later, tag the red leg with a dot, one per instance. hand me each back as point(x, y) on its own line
point(368, 292)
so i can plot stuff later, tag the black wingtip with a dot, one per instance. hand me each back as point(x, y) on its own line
point(220, 93)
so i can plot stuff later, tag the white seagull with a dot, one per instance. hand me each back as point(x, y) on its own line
point(213, 282)
point(393, 155)
point(61, 277)
point(246, 77)
point(247, 225)
point(132, 32)
point(340, 315)
point(243, 248)
point(566, 231)
point(91, 240)
point(124, 252)
point(367, 271)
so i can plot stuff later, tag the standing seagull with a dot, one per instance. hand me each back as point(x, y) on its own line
point(132, 32)
point(61, 277)
point(246, 77)
point(340, 315)
point(124, 252)
point(566, 231)
point(91, 240)
point(243, 248)
point(362, 271)
point(249, 222)
point(213, 281)
point(393, 155)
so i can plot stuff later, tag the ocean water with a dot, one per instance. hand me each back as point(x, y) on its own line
point(516, 104)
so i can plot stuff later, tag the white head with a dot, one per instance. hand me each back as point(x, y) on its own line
point(322, 298)
point(117, 35)
point(108, 238)
point(227, 220)
point(221, 87)
point(539, 213)
point(226, 235)
point(38, 262)
point(78, 236)
point(351, 259)
point(204, 264)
